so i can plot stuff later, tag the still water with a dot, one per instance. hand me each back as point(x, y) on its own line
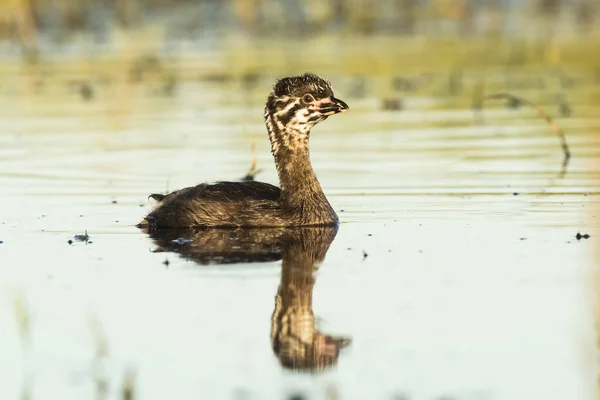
point(455, 273)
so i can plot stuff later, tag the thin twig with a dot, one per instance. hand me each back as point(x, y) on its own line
point(252, 171)
point(516, 101)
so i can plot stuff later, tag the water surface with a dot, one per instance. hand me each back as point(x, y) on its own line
point(454, 274)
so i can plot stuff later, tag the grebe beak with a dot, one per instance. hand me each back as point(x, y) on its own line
point(331, 105)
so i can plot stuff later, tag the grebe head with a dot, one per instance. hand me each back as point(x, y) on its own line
point(298, 103)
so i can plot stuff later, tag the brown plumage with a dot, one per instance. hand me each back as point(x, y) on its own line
point(294, 106)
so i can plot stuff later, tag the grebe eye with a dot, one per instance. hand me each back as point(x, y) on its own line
point(307, 98)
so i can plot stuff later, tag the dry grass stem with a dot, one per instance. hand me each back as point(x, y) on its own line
point(252, 171)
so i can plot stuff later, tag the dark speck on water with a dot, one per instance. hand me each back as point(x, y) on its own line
point(392, 104)
point(81, 238)
point(86, 91)
point(114, 202)
point(579, 236)
point(565, 110)
point(513, 103)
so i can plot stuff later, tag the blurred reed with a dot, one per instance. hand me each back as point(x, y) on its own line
point(23, 319)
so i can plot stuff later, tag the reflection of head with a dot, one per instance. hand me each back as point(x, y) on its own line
point(319, 353)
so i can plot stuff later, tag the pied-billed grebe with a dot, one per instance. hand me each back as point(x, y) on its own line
point(295, 105)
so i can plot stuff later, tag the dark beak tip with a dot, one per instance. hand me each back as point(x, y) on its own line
point(342, 104)
point(334, 106)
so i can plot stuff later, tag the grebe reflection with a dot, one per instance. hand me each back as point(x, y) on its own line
point(295, 339)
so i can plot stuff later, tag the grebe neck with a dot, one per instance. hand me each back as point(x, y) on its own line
point(297, 179)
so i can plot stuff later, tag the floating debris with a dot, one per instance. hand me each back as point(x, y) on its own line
point(392, 104)
point(365, 255)
point(514, 103)
point(564, 109)
point(86, 91)
point(579, 236)
point(166, 262)
point(563, 106)
point(81, 238)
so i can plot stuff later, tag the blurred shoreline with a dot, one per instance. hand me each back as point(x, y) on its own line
point(59, 28)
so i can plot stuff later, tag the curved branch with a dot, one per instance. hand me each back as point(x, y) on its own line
point(515, 102)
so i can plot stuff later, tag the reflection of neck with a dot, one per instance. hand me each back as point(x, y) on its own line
point(294, 298)
point(300, 189)
point(293, 315)
point(293, 308)
point(295, 340)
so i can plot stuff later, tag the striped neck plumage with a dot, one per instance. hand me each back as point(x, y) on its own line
point(289, 123)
